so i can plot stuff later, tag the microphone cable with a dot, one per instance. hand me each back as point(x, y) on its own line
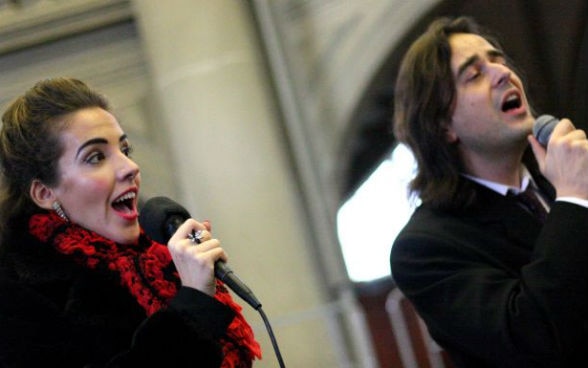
point(270, 332)
point(226, 275)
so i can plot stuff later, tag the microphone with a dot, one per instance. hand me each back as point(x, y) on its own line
point(543, 128)
point(160, 217)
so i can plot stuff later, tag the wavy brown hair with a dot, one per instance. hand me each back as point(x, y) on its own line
point(29, 141)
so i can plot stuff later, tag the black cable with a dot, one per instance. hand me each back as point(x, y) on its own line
point(272, 337)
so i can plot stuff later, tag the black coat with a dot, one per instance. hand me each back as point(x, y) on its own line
point(54, 313)
point(494, 286)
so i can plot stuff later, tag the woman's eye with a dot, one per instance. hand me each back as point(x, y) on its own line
point(127, 150)
point(94, 158)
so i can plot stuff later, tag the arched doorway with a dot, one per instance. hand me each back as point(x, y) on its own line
point(546, 38)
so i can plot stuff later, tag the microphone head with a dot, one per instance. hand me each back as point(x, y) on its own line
point(543, 128)
point(160, 218)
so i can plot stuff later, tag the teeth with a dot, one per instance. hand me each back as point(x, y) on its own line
point(512, 97)
point(513, 100)
point(130, 195)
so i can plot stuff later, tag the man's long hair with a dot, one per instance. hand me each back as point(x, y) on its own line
point(423, 105)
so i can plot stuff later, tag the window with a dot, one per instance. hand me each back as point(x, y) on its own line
point(369, 221)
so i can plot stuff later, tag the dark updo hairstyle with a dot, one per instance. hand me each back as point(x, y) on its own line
point(29, 141)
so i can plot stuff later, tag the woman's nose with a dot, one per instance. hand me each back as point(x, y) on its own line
point(129, 169)
point(133, 174)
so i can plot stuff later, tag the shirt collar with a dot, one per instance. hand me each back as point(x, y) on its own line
point(527, 180)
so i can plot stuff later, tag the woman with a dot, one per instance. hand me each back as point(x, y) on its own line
point(80, 282)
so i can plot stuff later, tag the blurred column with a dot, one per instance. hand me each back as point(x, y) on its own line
point(232, 167)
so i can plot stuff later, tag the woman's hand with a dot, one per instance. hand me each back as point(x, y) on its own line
point(195, 262)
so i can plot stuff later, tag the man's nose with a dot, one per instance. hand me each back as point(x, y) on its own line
point(500, 74)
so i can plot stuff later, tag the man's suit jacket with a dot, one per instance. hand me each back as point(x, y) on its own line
point(495, 287)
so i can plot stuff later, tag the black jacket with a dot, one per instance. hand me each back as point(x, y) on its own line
point(494, 286)
point(54, 313)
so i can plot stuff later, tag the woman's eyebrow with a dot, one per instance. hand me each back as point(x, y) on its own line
point(98, 141)
point(91, 142)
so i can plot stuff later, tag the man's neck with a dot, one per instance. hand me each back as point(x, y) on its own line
point(507, 174)
point(505, 169)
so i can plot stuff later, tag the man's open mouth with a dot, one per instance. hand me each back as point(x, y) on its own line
point(512, 101)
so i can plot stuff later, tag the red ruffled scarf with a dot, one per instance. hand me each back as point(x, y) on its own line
point(147, 271)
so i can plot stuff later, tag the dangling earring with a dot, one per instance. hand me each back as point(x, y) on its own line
point(59, 211)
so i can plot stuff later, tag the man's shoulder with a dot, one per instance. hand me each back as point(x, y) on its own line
point(437, 224)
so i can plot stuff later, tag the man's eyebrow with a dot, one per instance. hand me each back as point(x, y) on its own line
point(466, 64)
point(492, 54)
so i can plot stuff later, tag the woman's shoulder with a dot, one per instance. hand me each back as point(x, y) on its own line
point(27, 259)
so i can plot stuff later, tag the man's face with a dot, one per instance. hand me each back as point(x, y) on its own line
point(491, 114)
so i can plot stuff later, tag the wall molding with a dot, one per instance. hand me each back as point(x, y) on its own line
point(30, 23)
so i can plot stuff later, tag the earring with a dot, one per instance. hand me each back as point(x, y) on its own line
point(59, 211)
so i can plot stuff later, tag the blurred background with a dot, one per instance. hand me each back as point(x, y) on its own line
point(271, 119)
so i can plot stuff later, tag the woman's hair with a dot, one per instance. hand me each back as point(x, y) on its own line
point(423, 105)
point(29, 141)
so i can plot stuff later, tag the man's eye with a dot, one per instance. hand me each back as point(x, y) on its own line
point(501, 60)
point(473, 76)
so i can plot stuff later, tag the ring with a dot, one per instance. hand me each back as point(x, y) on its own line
point(196, 236)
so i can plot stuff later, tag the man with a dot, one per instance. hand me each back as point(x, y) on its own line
point(495, 285)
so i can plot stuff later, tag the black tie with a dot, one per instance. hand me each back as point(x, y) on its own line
point(528, 199)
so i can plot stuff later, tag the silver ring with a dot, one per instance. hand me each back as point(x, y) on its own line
point(196, 236)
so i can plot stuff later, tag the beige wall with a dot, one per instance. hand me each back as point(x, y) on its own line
point(229, 158)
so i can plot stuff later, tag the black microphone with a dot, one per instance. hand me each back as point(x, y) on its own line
point(160, 217)
point(543, 128)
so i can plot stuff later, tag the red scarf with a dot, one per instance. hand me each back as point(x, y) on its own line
point(147, 271)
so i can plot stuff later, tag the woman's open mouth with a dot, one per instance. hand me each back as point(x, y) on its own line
point(126, 204)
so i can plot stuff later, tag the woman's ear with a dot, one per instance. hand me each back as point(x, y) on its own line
point(42, 195)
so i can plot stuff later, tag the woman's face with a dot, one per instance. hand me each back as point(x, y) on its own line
point(98, 182)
